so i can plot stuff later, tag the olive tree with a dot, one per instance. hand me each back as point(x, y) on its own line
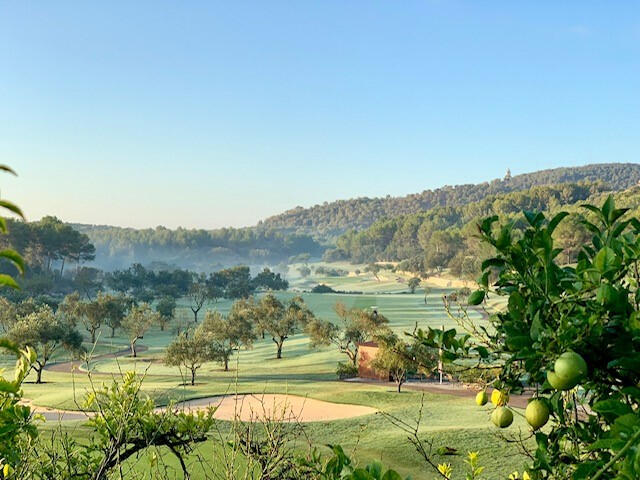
point(115, 308)
point(199, 292)
point(281, 320)
point(226, 334)
point(46, 333)
point(413, 283)
point(355, 326)
point(189, 350)
point(137, 322)
point(399, 357)
point(166, 308)
point(91, 314)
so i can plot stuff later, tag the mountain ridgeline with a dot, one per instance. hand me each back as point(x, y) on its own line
point(331, 219)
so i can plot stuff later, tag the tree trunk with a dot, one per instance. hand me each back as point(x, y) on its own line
point(399, 386)
point(226, 364)
point(193, 376)
point(195, 315)
point(279, 354)
point(93, 336)
point(39, 374)
point(353, 356)
point(113, 332)
point(62, 267)
point(133, 350)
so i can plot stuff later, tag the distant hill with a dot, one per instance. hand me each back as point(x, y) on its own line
point(311, 230)
point(328, 220)
point(446, 237)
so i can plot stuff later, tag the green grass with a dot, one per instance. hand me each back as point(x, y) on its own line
point(450, 421)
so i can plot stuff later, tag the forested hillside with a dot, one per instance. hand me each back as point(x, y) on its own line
point(445, 237)
point(310, 231)
point(201, 250)
point(334, 218)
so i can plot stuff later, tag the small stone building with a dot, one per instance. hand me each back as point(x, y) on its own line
point(367, 352)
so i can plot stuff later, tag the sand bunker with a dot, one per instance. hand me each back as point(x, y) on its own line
point(278, 407)
point(247, 407)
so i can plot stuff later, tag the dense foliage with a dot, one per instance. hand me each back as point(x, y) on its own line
point(569, 334)
point(332, 219)
point(445, 237)
point(48, 242)
point(145, 284)
point(195, 249)
point(591, 309)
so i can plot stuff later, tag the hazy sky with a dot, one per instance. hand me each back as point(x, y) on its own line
point(222, 113)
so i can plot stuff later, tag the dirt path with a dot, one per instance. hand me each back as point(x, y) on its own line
point(447, 388)
point(68, 367)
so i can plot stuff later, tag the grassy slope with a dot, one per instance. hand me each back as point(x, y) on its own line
point(449, 420)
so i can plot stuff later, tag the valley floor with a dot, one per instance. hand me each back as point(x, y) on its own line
point(448, 420)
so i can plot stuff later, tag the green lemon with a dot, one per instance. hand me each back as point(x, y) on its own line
point(499, 398)
point(502, 417)
point(537, 413)
point(559, 383)
point(570, 366)
point(482, 398)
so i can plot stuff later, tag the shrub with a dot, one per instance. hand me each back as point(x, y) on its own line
point(322, 288)
point(346, 370)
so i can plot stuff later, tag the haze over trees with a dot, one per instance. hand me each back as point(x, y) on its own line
point(195, 249)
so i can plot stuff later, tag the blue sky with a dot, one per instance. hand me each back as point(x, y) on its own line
point(221, 113)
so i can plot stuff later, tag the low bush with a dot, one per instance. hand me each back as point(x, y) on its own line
point(346, 370)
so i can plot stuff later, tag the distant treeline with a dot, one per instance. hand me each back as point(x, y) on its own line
point(202, 250)
point(47, 245)
point(330, 219)
point(146, 285)
point(445, 237)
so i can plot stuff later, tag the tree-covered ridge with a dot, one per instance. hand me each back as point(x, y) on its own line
point(445, 237)
point(334, 218)
point(195, 249)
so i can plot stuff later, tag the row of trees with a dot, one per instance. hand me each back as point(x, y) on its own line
point(146, 285)
point(49, 330)
point(219, 335)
